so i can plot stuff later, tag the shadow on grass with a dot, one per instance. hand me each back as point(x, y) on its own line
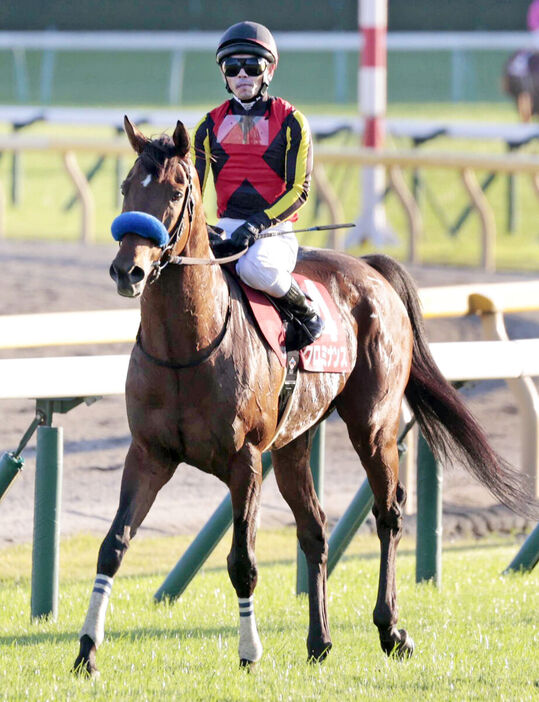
point(132, 635)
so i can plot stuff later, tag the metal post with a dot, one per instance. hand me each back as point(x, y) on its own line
point(10, 466)
point(317, 469)
point(358, 510)
point(175, 84)
point(528, 555)
point(429, 515)
point(46, 546)
point(202, 547)
point(12, 463)
point(511, 198)
point(349, 523)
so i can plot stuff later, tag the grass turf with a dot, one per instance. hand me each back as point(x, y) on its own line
point(476, 639)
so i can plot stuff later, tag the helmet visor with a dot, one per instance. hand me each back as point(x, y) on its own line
point(252, 65)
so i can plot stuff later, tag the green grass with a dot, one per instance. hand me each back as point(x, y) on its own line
point(46, 191)
point(476, 639)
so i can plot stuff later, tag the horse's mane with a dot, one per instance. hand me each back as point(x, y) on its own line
point(159, 156)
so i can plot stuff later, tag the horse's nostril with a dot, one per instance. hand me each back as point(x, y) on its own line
point(136, 275)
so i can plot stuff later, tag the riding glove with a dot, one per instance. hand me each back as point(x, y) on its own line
point(244, 235)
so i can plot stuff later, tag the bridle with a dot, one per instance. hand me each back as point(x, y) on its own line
point(179, 233)
point(179, 236)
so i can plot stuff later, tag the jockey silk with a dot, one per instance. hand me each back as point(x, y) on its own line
point(261, 159)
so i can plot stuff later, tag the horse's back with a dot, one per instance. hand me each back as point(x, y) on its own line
point(351, 281)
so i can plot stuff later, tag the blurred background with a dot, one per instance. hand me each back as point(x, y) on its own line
point(446, 65)
point(427, 69)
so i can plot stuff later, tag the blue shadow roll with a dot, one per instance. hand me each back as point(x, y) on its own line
point(140, 223)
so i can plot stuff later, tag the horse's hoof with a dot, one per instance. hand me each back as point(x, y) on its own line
point(249, 666)
point(398, 644)
point(85, 665)
point(318, 654)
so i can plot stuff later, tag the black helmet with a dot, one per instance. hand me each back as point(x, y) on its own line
point(248, 38)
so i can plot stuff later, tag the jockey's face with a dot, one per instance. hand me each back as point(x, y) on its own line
point(246, 87)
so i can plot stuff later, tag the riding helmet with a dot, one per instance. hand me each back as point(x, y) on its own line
point(249, 38)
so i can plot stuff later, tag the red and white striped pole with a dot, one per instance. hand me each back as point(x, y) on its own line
point(372, 94)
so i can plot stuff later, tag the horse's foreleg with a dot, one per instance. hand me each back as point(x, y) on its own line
point(142, 479)
point(244, 484)
point(291, 465)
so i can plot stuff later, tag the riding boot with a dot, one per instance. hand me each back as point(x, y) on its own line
point(309, 323)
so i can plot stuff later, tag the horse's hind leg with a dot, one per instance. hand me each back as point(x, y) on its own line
point(245, 479)
point(374, 436)
point(142, 478)
point(291, 465)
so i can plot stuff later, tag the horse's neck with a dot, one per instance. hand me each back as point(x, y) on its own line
point(184, 311)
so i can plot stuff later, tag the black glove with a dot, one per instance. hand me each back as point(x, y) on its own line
point(216, 235)
point(245, 235)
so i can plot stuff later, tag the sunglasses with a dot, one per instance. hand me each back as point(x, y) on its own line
point(252, 65)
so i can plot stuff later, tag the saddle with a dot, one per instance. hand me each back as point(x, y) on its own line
point(328, 354)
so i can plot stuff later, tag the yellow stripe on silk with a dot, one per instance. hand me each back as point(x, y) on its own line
point(207, 154)
point(296, 191)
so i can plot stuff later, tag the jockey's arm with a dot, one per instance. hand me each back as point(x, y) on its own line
point(298, 164)
point(200, 151)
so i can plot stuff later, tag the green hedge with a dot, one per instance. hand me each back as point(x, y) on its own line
point(302, 15)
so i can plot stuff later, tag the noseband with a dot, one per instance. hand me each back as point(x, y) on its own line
point(149, 227)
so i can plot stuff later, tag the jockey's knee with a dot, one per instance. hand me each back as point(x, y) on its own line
point(268, 279)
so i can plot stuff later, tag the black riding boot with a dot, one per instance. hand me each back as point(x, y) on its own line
point(310, 325)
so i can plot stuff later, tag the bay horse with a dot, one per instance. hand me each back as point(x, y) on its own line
point(521, 81)
point(203, 387)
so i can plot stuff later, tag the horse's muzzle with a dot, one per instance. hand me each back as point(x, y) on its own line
point(129, 282)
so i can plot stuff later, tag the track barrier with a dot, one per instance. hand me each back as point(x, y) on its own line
point(86, 378)
point(528, 555)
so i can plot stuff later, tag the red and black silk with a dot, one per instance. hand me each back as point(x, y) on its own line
point(261, 160)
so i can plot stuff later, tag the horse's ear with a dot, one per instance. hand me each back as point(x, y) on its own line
point(181, 140)
point(136, 138)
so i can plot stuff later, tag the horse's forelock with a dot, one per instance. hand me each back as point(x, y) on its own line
point(159, 156)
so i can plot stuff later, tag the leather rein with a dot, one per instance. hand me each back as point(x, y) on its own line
point(178, 233)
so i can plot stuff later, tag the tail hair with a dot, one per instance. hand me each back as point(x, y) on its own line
point(449, 428)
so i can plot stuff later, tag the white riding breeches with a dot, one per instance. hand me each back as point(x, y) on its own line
point(268, 263)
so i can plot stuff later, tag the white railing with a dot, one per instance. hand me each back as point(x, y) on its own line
point(88, 376)
point(287, 41)
point(496, 357)
point(178, 44)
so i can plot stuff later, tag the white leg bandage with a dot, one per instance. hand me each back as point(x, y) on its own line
point(250, 648)
point(94, 626)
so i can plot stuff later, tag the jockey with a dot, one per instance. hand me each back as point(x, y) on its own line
point(259, 149)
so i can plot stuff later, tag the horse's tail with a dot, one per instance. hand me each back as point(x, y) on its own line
point(446, 423)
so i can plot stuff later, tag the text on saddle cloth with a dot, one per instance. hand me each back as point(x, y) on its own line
point(329, 353)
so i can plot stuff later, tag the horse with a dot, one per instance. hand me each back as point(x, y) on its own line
point(521, 81)
point(203, 388)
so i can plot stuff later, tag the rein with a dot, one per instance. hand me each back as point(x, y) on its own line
point(177, 232)
point(208, 352)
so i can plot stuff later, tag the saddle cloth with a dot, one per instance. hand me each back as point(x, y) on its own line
point(329, 353)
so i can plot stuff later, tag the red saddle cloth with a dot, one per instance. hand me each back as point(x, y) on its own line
point(329, 353)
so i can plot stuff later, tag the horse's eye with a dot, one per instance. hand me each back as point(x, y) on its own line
point(123, 188)
point(176, 195)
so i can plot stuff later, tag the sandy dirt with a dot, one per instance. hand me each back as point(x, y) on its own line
point(39, 277)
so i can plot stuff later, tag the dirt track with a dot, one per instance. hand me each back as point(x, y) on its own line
point(53, 277)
